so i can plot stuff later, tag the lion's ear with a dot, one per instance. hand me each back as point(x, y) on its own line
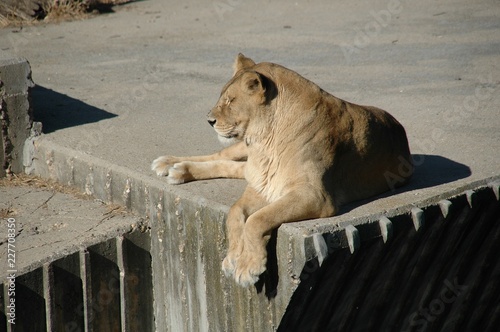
point(242, 62)
point(253, 85)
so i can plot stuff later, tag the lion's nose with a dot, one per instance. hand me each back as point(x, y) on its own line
point(211, 119)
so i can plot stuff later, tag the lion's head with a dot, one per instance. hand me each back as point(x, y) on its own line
point(239, 102)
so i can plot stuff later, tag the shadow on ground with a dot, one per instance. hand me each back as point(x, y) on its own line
point(58, 111)
point(430, 171)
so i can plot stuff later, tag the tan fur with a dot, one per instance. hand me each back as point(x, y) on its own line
point(302, 151)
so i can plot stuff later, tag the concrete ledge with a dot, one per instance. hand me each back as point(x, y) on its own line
point(188, 242)
point(50, 225)
point(16, 114)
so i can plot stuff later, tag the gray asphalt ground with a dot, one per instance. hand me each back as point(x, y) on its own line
point(129, 86)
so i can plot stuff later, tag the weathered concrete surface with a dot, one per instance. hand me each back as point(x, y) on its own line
point(50, 224)
point(16, 113)
point(116, 91)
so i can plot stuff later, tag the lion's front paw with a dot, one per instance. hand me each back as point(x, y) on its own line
point(161, 165)
point(229, 266)
point(249, 268)
point(229, 263)
point(179, 173)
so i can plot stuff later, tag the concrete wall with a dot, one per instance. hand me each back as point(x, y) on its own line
point(188, 243)
point(16, 115)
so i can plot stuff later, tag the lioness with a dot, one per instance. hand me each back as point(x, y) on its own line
point(302, 151)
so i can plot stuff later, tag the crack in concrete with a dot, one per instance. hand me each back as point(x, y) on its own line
point(44, 203)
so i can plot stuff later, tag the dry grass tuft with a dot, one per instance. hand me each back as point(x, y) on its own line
point(7, 213)
point(16, 180)
point(26, 13)
point(65, 10)
point(13, 16)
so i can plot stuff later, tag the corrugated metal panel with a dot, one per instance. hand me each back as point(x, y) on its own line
point(445, 276)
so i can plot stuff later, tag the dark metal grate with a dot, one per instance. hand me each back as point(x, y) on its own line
point(443, 277)
point(105, 287)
